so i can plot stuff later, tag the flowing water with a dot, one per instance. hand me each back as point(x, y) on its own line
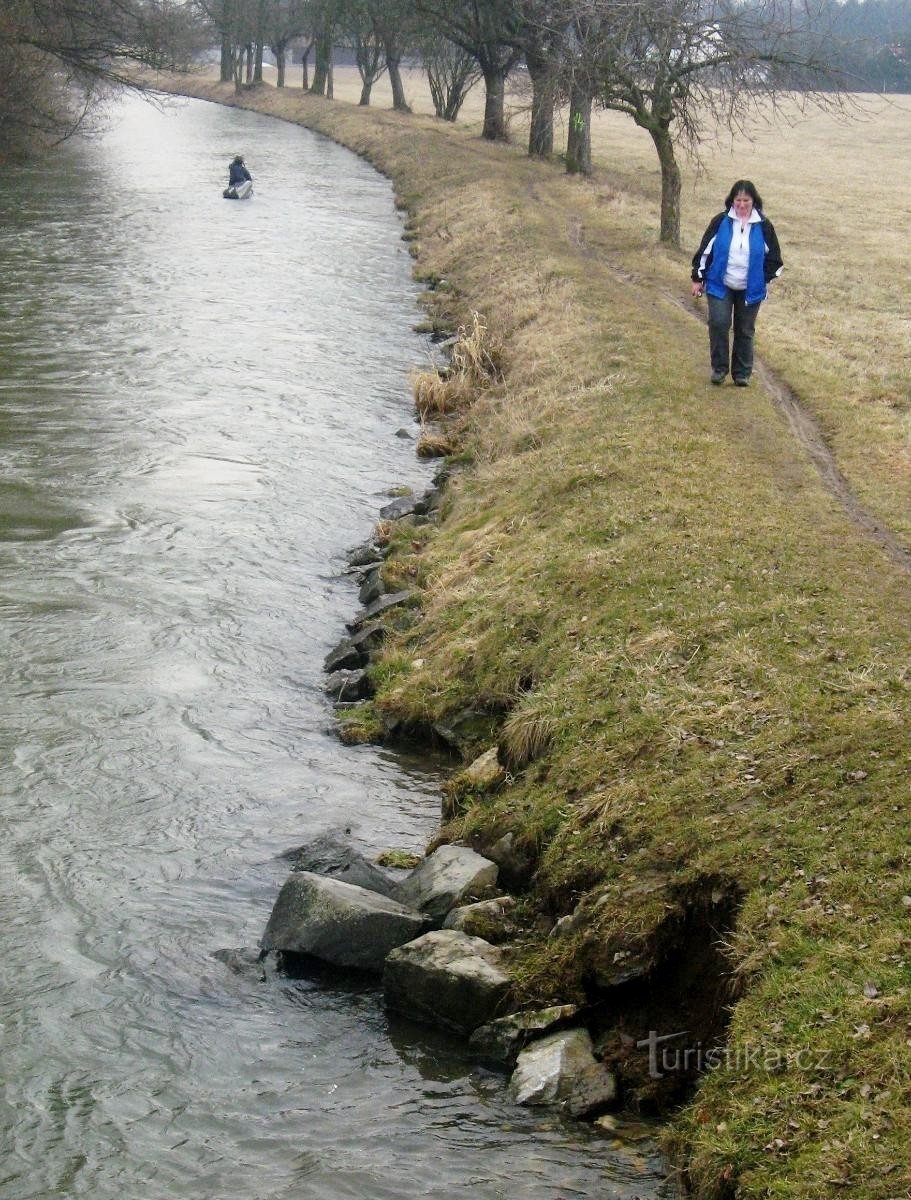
point(199, 403)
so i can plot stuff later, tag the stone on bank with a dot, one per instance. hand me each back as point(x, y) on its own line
point(339, 923)
point(445, 879)
point(447, 979)
point(562, 1070)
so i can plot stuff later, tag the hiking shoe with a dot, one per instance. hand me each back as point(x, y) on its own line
point(718, 377)
point(741, 383)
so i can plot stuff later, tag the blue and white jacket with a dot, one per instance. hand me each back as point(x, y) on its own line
point(711, 259)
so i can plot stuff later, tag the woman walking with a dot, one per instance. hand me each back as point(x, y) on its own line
point(736, 260)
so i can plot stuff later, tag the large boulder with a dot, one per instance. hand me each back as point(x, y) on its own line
point(447, 979)
point(338, 923)
point(332, 854)
point(393, 600)
point(445, 879)
point(502, 1040)
point(562, 1070)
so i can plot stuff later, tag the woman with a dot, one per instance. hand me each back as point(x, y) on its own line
point(737, 257)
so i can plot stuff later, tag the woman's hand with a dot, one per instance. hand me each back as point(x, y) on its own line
point(697, 289)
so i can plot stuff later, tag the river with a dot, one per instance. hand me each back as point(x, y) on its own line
point(201, 406)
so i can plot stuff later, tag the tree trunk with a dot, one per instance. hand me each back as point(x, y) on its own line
point(394, 67)
point(670, 186)
point(494, 105)
point(541, 134)
point(330, 83)
point(579, 138)
point(305, 73)
point(321, 65)
point(366, 89)
point(260, 38)
point(227, 67)
point(280, 67)
point(249, 71)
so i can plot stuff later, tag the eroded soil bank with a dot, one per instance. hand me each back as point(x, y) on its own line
point(693, 667)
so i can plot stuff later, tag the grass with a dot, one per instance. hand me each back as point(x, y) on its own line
point(698, 665)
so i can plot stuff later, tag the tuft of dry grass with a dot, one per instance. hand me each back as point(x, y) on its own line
point(475, 364)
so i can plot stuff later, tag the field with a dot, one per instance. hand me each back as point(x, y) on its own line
point(695, 664)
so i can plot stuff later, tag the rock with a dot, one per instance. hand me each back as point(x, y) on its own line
point(360, 556)
point(369, 638)
point(562, 1070)
point(485, 774)
point(429, 502)
point(378, 606)
point(345, 657)
point(372, 587)
point(487, 919)
point(402, 506)
point(333, 855)
point(445, 879)
point(447, 979)
point(501, 1040)
point(405, 434)
point(464, 730)
point(338, 923)
point(349, 685)
point(516, 863)
point(567, 925)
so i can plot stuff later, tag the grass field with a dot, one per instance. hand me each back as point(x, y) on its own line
point(695, 665)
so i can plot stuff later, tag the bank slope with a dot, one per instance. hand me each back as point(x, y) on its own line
point(696, 670)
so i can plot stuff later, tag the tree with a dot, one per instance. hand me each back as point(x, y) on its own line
point(59, 57)
point(451, 74)
point(486, 30)
point(680, 68)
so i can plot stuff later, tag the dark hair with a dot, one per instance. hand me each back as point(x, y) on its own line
point(743, 185)
point(238, 159)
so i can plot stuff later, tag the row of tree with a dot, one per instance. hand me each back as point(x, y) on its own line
point(678, 68)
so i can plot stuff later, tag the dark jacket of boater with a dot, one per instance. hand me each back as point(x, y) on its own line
point(237, 173)
point(711, 259)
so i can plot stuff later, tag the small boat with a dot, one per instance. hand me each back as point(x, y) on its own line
point(239, 191)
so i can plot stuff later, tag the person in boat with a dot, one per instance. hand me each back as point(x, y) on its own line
point(237, 172)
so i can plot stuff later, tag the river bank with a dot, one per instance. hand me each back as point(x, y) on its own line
point(693, 665)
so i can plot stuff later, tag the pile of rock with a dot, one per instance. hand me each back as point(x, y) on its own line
point(342, 910)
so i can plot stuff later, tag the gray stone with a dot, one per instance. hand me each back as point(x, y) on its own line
point(446, 878)
point(332, 854)
point(485, 773)
point(487, 918)
point(562, 1070)
point(501, 1040)
point(345, 657)
point(392, 600)
point(446, 979)
point(464, 730)
point(516, 863)
point(370, 638)
point(361, 555)
point(349, 685)
point(372, 587)
point(338, 923)
point(402, 506)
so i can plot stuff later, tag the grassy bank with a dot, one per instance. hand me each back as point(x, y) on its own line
point(694, 665)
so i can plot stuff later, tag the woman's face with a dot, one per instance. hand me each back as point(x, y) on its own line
point(743, 205)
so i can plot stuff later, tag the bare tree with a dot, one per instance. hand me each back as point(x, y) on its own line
point(451, 73)
point(58, 57)
point(484, 29)
point(681, 68)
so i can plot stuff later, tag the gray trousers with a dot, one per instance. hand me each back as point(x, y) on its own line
point(738, 361)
